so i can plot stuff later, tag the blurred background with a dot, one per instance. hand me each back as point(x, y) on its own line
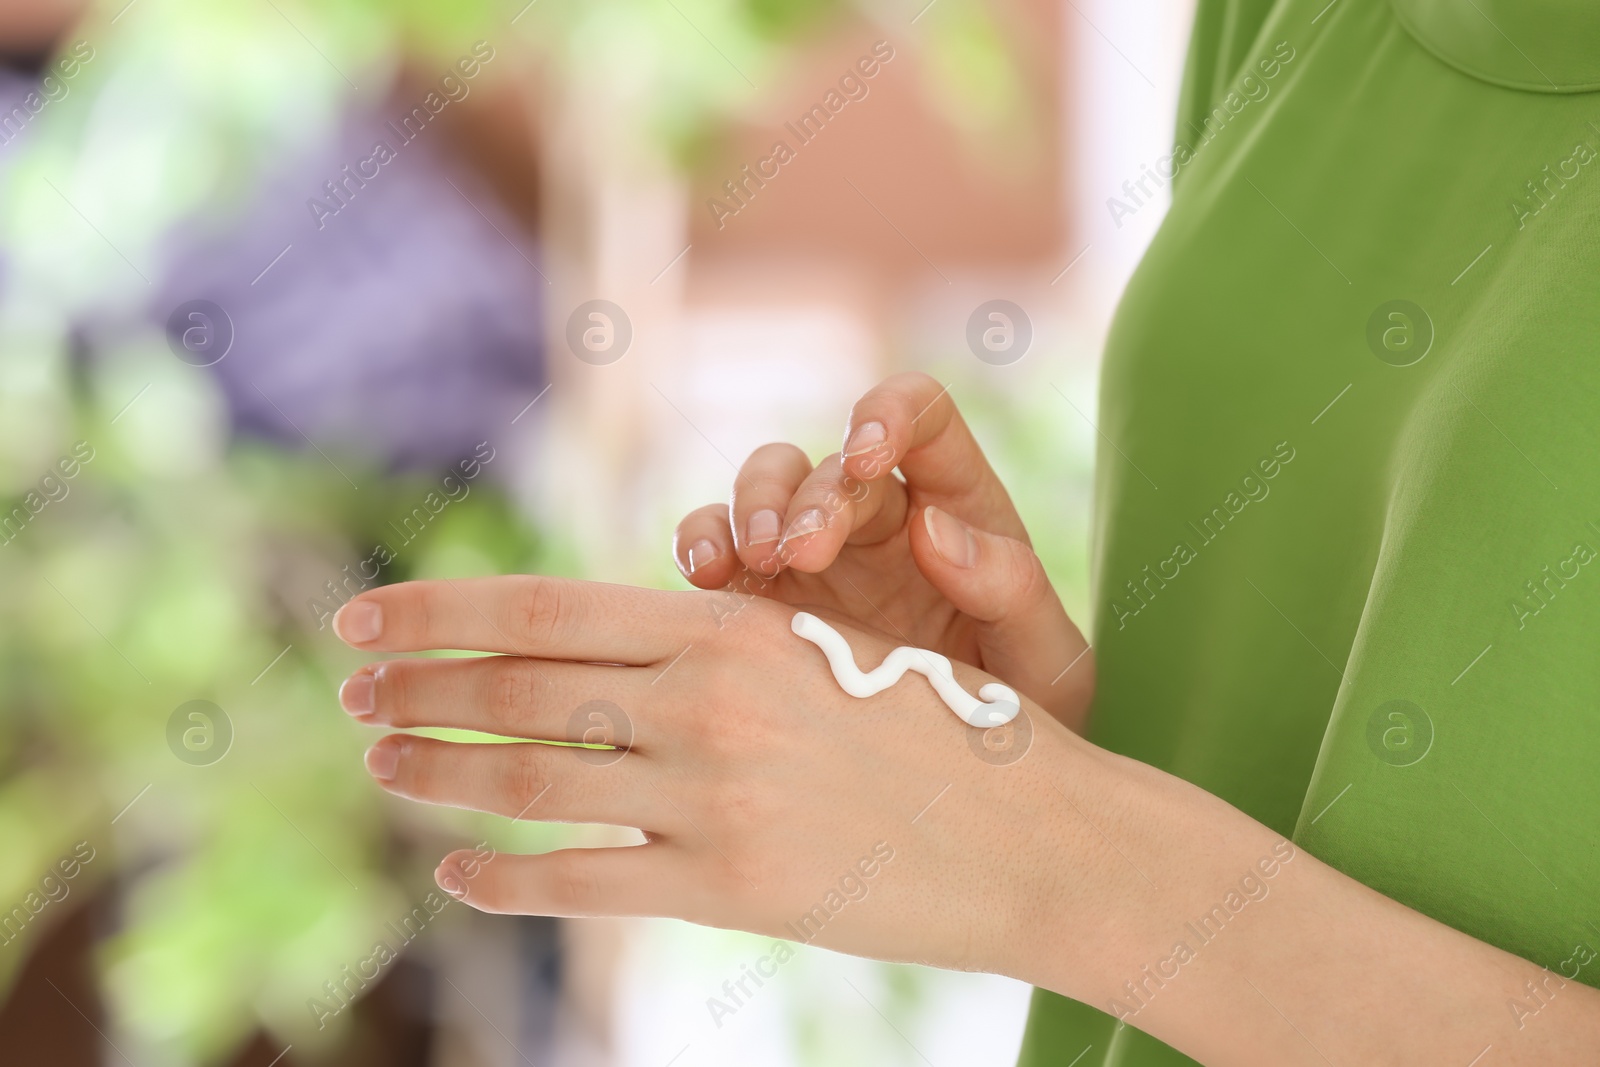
point(302, 296)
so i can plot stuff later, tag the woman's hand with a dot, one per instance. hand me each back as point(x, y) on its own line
point(770, 800)
point(940, 560)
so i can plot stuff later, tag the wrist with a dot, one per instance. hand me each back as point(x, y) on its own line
point(1150, 873)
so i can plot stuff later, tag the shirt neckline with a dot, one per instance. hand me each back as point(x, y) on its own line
point(1541, 46)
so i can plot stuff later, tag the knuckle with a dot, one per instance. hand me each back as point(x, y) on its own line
point(546, 610)
point(913, 389)
point(511, 693)
point(574, 888)
point(419, 622)
point(774, 453)
point(703, 514)
point(898, 384)
point(832, 498)
point(829, 488)
point(708, 521)
point(772, 466)
point(876, 463)
point(393, 692)
point(524, 777)
point(764, 622)
point(416, 766)
point(429, 615)
point(1028, 581)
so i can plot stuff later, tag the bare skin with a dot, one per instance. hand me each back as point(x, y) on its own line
point(759, 786)
point(939, 559)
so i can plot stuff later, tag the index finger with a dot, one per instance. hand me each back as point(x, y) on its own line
point(829, 510)
point(522, 615)
point(909, 421)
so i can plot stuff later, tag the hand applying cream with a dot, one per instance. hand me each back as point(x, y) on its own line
point(995, 704)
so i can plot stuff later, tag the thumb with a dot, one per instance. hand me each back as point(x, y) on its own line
point(1023, 632)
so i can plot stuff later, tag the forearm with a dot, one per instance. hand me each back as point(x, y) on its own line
point(1236, 947)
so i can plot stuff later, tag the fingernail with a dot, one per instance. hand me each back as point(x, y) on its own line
point(382, 759)
point(951, 538)
point(867, 436)
point(358, 622)
point(763, 527)
point(355, 695)
point(807, 522)
point(448, 878)
point(701, 553)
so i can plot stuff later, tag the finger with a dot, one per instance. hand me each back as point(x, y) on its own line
point(832, 509)
point(505, 695)
point(526, 780)
point(636, 880)
point(703, 547)
point(709, 561)
point(910, 421)
point(524, 615)
point(761, 494)
point(1023, 633)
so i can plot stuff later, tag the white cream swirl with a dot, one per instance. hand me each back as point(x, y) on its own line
point(995, 704)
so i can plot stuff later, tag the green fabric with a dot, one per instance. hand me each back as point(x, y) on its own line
point(1548, 47)
point(1344, 579)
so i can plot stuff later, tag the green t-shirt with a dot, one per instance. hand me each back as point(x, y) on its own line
point(1345, 550)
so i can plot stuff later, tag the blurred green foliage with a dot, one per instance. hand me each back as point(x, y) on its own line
point(178, 564)
point(175, 567)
